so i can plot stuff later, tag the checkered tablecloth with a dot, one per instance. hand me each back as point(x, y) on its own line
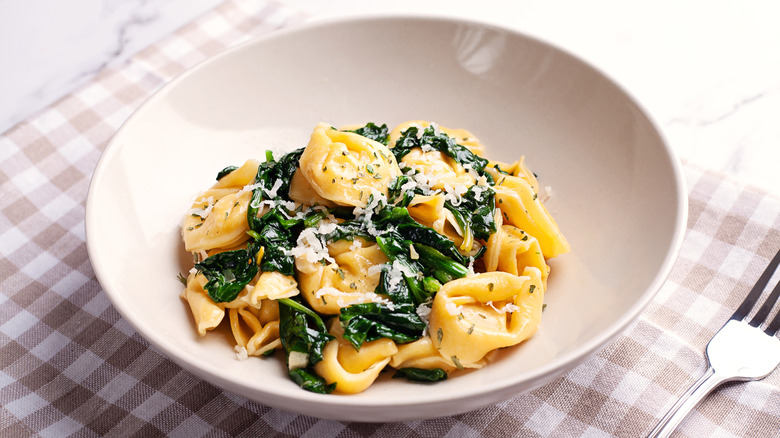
point(70, 365)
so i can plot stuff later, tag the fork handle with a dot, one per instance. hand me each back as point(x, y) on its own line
point(706, 383)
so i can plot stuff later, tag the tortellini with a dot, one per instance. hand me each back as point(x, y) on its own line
point(218, 216)
point(355, 255)
point(353, 370)
point(521, 206)
point(472, 316)
point(346, 168)
point(349, 279)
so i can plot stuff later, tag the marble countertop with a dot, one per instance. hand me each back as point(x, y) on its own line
point(708, 73)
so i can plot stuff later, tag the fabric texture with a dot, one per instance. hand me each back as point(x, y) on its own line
point(71, 366)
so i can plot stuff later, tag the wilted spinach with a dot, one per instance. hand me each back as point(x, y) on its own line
point(476, 211)
point(368, 322)
point(441, 142)
point(421, 375)
point(374, 132)
point(303, 332)
point(228, 272)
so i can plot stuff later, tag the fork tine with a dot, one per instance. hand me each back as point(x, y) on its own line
point(759, 287)
point(774, 326)
point(763, 313)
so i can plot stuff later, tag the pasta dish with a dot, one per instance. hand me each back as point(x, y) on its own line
point(372, 249)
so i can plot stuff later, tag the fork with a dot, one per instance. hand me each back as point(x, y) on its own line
point(740, 350)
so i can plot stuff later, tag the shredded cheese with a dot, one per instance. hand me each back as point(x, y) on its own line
point(241, 353)
point(344, 299)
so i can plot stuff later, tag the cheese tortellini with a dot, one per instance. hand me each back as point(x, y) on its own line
point(345, 168)
point(370, 249)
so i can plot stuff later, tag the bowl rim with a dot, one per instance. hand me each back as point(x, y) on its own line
point(542, 374)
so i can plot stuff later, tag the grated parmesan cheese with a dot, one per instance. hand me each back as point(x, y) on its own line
point(547, 194)
point(424, 311)
point(297, 360)
point(506, 308)
point(248, 188)
point(344, 299)
point(203, 212)
point(241, 353)
point(272, 193)
point(453, 309)
point(413, 252)
point(311, 243)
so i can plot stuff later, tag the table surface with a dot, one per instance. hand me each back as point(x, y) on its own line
point(709, 74)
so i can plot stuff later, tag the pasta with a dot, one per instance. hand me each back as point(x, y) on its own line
point(372, 249)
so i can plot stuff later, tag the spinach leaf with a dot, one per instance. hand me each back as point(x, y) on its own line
point(374, 132)
point(476, 211)
point(395, 193)
point(271, 171)
point(421, 375)
point(310, 381)
point(276, 232)
point(411, 289)
point(224, 172)
point(368, 322)
point(440, 266)
point(273, 178)
point(303, 332)
point(441, 142)
point(228, 272)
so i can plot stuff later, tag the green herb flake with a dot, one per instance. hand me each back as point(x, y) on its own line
point(439, 335)
point(490, 286)
point(531, 288)
point(471, 330)
point(457, 363)
point(369, 168)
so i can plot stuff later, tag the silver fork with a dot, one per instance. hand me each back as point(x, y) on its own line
point(740, 350)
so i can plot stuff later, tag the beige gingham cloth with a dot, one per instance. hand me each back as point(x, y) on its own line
point(71, 366)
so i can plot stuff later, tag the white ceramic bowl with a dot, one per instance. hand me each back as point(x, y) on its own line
point(618, 189)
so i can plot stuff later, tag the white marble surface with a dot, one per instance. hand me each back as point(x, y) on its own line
point(708, 72)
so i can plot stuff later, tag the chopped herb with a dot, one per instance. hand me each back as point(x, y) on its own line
point(457, 363)
point(531, 288)
point(439, 335)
